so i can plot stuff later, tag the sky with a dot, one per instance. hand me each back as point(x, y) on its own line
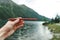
point(47, 8)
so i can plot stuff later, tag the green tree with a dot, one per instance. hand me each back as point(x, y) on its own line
point(52, 20)
point(57, 19)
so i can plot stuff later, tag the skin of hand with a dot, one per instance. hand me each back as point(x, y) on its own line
point(10, 27)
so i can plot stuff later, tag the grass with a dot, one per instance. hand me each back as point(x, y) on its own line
point(55, 29)
point(55, 38)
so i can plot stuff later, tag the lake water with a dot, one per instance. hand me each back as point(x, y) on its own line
point(32, 30)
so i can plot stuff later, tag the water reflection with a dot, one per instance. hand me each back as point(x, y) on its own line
point(32, 30)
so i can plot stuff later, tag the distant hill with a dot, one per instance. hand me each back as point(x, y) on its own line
point(9, 9)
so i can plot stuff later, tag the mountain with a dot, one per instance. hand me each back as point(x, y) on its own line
point(4, 1)
point(9, 9)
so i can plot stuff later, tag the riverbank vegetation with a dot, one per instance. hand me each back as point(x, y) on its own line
point(54, 26)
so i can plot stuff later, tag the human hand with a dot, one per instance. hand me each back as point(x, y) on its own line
point(10, 27)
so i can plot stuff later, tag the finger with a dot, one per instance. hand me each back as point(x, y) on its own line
point(16, 21)
point(20, 26)
point(21, 22)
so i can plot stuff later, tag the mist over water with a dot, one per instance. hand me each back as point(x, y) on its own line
point(32, 30)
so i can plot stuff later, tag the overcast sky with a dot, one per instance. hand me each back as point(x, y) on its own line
point(48, 8)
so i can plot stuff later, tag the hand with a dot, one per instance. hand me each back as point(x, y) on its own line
point(10, 27)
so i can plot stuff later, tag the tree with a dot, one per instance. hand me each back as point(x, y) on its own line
point(57, 19)
point(52, 20)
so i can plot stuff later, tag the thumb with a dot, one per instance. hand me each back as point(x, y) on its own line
point(16, 21)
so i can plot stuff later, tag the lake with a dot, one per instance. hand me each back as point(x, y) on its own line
point(32, 30)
